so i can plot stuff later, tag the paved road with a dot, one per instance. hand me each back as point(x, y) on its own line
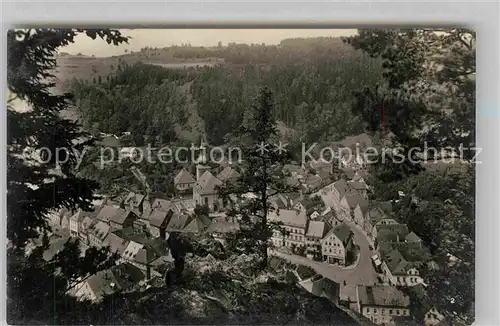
point(362, 274)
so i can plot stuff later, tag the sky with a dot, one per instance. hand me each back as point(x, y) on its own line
point(196, 37)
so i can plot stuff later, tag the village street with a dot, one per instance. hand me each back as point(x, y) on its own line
point(362, 273)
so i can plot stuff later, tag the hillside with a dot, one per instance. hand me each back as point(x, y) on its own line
point(189, 92)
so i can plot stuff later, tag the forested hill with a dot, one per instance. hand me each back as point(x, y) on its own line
point(312, 80)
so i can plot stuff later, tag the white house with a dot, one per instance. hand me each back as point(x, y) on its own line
point(382, 304)
point(184, 180)
point(294, 224)
point(316, 231)
point(399, 271)
point(205, 189)
point(336, 243)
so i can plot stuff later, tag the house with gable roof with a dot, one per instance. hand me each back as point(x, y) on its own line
point(121, 278)
point(389, 232)
point(336, 244)
point(398, 271)
point(97, 233)
point(382, 304)
point(378, 212)
point(205, 189)
point(316, 231)
point(158, 221)
point(228, 174)
point(332, 195)
point(314, 215)
point(116, 217)
point(123, 219)
point(294, 225)
point(329, 216)
point(133, 202)
point(348, 205)
point(424, 311)
point(184, 180)
point(197, 224)
point(177, 223)
point(115, 243)
point(75, 221)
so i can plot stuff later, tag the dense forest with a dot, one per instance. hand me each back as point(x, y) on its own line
point(312, 88)
point(288, 51)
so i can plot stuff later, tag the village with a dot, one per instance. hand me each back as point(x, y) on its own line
point(339, 243)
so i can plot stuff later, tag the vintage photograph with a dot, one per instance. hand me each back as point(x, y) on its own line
point(241, 176)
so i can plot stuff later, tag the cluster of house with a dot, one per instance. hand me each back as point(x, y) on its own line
point(134, 226)
point(390, 305)
point(380, 304)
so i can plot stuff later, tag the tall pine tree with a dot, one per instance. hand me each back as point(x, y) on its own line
point(39, 182)
point(261, 175)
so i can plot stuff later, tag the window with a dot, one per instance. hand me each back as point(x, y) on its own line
point(367, 309)
point(390, 311)
point(398, 312)
point(383, 311)
point(375, 311)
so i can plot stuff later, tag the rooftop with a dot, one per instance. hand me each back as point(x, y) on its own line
point(207, 183)
point(222, 227)
point(184, 177)
point(289, 217)
point(116, 243)
point(317, 229)
point(391, 232)
point(228, 173)
point(343, 232)
point(159, 216)
point(177, 222)
point(161, 203)
point(384, 296)
point(134, 199)
point(355, 199)
point(198, 224)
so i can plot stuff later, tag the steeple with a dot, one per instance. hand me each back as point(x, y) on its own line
point(202, 158)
